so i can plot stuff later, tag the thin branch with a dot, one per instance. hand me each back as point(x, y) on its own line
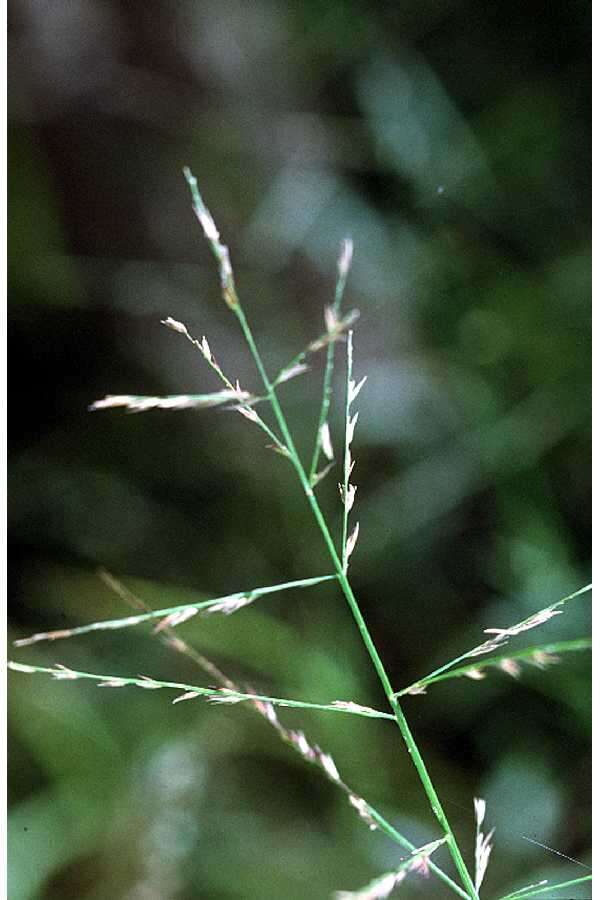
point(191, 691)
point(540, 891)
point(244, 402)
point(176, 614)
point(539, 656)
point(500, 638)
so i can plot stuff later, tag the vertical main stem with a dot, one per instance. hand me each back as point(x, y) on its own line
point(405, 731)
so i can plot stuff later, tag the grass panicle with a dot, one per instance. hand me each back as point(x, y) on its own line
point(338, 328)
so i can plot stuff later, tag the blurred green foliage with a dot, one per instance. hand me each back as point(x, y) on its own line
point(451, 141)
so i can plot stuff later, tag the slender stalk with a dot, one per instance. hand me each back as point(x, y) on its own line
point(534, 655)
point(499, 639)
point(225, 604)
point(220, 695)
point(538, 892)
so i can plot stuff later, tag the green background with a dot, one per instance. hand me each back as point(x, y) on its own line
point(451, 140)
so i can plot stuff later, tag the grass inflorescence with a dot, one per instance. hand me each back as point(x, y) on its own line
point(472, 664)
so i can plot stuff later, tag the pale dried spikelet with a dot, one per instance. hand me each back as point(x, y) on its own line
point(205, 349)
point(175, 618)
point(417, 689)
point(209, 227)
point(501, 635)
point(421, 866)
point(353, 707)
point(483, 845)
point(113, 683)
point(345, 257)
point(314, 754)
point(112, 400)
point(174, 325)
point(248, 413)
point(487, 647)
point(350, 463)
point(376, 890)
point(292, 372)
point(149, 683)
point(350, 429)
point(355, 389)
point(189, 695)
point(479, 806)
point(511, 667)
point(533, 621)
point(363, 809)
point(267, 710)
point(350, 495)
point(298, 740)
point(422, 855)
point(351, 543)
point(138, 404)
point(202, 345)
point(541, 659)
point(224, 695)
point(64, 673)
point(327, 764)
point(212, 235)
point(325, 440)
point(228, 605)
point(475, 674)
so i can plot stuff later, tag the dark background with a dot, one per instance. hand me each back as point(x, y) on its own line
point(451, 140)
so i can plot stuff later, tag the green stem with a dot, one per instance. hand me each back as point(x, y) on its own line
point(358, 617)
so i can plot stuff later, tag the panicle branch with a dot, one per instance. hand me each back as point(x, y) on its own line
point(176, 615)
point(539, 656)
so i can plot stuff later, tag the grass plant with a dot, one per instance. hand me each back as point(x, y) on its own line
point(473, 664)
